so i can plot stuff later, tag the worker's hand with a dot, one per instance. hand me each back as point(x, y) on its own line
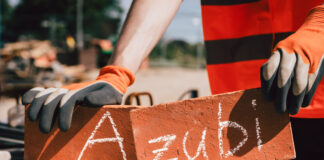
point(292, 74)
point(108, 88)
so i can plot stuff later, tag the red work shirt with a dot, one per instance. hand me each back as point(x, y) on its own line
point(239, 37)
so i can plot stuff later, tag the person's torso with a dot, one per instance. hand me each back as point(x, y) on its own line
point(239, 37)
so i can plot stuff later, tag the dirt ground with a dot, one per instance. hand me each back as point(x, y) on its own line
point(168, 84)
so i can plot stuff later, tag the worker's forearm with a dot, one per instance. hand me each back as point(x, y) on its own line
point(146, 22)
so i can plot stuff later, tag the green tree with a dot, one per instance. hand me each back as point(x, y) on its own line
point(6, 12)
point(37, 18)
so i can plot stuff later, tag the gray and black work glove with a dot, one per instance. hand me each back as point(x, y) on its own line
point(293, 72)
point(108, 88)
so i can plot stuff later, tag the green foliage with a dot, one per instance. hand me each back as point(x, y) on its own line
point(179, 48)
point(179, 52)
point(156, 52)
point(36, 17)
point(6, 12)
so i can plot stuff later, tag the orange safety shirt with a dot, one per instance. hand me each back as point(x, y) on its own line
point(239, 36)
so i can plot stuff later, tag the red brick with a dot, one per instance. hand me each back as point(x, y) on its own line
point(194, 117)
point(68, 145)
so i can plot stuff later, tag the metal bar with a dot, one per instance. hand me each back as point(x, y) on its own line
point(9, 132)
point(133, 95)
point(10, 140)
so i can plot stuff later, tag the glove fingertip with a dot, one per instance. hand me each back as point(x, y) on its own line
point(64, 126)
point(280, 109)
point(293, 107)
point(293, 112)
point(267, 88)
point(47, 117)
point(44, 128)
point(306, 102)
point(280, 101)
point(308, 97)
point(29, 96)
point(315, 82)
point(32, 116)
point(65, 115)
point(64, 122)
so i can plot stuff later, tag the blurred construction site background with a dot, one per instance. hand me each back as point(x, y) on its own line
point(53, 43)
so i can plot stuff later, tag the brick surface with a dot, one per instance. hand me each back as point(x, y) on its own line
point(238, 125)
point(109, 142)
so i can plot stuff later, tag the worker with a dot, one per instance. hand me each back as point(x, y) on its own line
point(239, 37)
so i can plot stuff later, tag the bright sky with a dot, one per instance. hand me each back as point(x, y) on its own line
point(186, 25)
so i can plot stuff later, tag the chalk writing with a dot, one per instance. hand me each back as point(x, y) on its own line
point(92, 141)
point(201, 147)
point(257, 126)
point(222, 125)
point(201, 150)
point(168, 139)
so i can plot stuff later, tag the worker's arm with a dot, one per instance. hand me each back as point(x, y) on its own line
point(145, 24)
point(293, 72)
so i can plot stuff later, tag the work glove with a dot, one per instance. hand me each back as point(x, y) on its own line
point(293, 72)
point(108, 88)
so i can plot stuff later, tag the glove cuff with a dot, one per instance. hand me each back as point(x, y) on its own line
point(119, 77)
point(315, 20)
